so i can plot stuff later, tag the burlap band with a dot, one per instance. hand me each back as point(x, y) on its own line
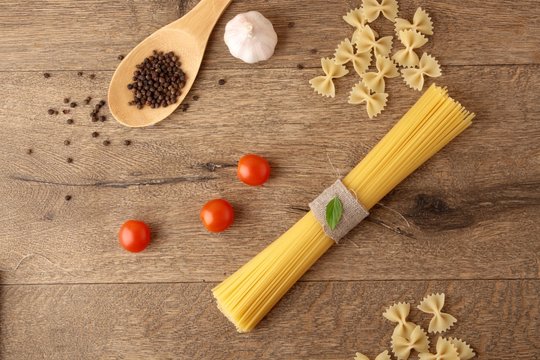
point(353, 211)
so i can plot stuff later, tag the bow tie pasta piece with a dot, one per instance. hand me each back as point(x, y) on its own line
point(417, 341)
point(464, 350)
point(375, 103)
point(365, 40)
point(445, 351)
point(433, 304)
point(324, 85)
point(398, 313)
point(375, 80)
point(345, 53)
point(421, 23)
point(356, 18)
point(428, 66)
point(372, 9)
point(382, 356)
point(411, 40)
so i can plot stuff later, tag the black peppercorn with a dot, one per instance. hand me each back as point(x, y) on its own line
point(87, 100)
point(221, 82)
point(29, 151)
point(92, 76)
point(103, 118)
point(50, 112)
point(120, 57)
point(300, 66)
point(80, 73)
point(66, 111)
point(66, 100)
point(95, 134)
point(69, 121)
point(127, 142)
point(69, 160)
point(67, 142)
point(106, 142)
point(73, 104)
point(68, 197)
point(291, 24)
point(46, 75)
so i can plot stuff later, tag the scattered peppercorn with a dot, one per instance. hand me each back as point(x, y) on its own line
point(185, 107)
point(55, 112)
point(103, 118)
point(102, 103)
point(120, 57)
point(29, 151)
point(73, 104)
point(67, 142)
point(221, 82)
point(127, 142)
point(66, 100)
point(92, 76)
point(313, 51)
point(291, 24)
point(69, 121)
point(68, 197)
point(195, 97)
point(46, 75)
point(69, 160)
point(50, 112)
point(300, 66)
point(80, 73)
point(66, 111)
point(87, 100)
point(95, 134)
point(106, 142)
point(157, 81)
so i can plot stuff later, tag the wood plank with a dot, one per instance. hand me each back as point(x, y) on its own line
point(328, 321)
point(469, 213)
point(89, 34)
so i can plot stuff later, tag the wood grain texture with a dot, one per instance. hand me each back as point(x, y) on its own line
point(330, 321)
point(89, 34)
point(466, 223)
point(463, 213)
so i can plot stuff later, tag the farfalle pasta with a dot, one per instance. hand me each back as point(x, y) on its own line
point(345, 53)
point(411, 40)
point(356, 18)
point(385, 69)
point(382, 356)
point(464, 350)
point(421, 23)
point(433, 304)
point(373, 8)
point(357, 50)
point(375, 102)
point(445, 351)
point(365, 40)
point(324, 85)
point(398, 313)
point(417, 341)
point(428, 66)
point(408, 337)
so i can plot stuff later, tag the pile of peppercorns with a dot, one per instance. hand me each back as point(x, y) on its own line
point(157, 81)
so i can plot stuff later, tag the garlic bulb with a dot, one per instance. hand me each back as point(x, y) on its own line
point(250, 37)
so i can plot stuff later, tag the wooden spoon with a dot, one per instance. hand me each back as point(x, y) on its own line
point(187, 37)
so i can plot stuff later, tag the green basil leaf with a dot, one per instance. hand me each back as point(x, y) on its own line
point(334, 211)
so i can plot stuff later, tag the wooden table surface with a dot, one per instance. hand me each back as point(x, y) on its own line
point(466, 223)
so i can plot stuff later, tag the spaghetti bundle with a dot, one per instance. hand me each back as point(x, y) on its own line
point(249, 294)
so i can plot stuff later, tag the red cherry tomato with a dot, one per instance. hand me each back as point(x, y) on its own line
point(134, 235)
point(217, 215)
point(253, 169)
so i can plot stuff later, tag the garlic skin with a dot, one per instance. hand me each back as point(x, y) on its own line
point(250, 37)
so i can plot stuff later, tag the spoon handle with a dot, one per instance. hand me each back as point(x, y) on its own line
point(203, 17)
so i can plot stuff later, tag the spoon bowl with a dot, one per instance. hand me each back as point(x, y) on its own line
point(186, 37)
